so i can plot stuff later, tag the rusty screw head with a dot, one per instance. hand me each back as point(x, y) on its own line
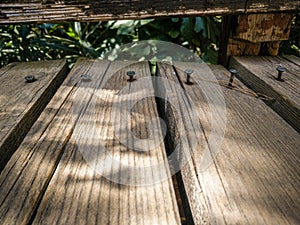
point(131, 75)
point(188, 76)
point(280, 70)
point(29, 78)
point(233, 73)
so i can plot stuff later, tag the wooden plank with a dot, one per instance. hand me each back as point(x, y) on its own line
point(78, 193)
point(181, 140)
point(93, 10)
point(254, 178)
point(21, 103)
point(264, 27)
point(292, 58)
point(259, 73)
point(27, 174)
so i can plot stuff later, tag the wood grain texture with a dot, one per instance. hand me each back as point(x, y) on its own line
point(259, 73)
point(254, 178)
point(21, 103)
point(182, 140)
point(50, 180)
point(26, 176)
point(292, 58)
point(54, 10)
point(264, 27)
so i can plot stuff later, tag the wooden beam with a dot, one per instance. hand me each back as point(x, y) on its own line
point(25, 11)
point(22, 102)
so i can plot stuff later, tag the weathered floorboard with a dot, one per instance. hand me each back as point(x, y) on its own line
point(259, 74)
point(93, 10)
point(21, 103)
point(26, 175)
point(177, 114)
point(254, 177)
point(81, 191)
point(50, 180)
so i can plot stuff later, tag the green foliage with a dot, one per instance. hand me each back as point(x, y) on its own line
point(292, 46)
point(32, 42)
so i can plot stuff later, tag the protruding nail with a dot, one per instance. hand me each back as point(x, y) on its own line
point(188, 76)
point(131, 75)
point(280, 70)
point(233, 73)
point(30, 79)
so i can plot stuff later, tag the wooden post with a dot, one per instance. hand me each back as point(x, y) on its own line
point(259, 34)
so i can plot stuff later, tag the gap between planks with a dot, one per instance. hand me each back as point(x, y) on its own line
point(254, 178)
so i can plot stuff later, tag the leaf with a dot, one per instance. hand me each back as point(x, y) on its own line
point(77, 28)
point(144, 22)
point(187, 28)
point(200, 25)
point(174, 33)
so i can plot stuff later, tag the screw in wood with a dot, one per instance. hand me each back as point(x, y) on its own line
point(280, 70)
point(233, 73)
point(131, 75)
point(29, 78)
point(188, 76)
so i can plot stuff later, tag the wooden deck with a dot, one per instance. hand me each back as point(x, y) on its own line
point(259, 73)
point(60, 174)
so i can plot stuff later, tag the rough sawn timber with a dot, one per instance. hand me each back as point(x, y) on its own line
point(21, 103)
point(254, 177)
point(259, 74)
point(50, 180)
point(22, 11)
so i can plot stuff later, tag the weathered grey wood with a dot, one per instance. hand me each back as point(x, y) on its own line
point(292, 58)
point(259, 73)
point(21, 103)
point(93, 10)
point(176, 114)
point(26, 176)
point(49, 174)
point(254, 178)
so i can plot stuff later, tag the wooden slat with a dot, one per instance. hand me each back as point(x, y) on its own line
point(254, 178)
point(93, 10)
point(25, 177)
point(177, 114)
point(77, 194)
point(259, 73)
point(21, 103)
point(293, 59)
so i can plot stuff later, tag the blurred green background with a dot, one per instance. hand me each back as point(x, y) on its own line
point(32, 42)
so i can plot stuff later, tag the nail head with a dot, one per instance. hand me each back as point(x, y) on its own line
point(85, 78)
point(130, 73)
point(281, 69)
point(29, 78)
point(233, 71)
point(189, 71)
